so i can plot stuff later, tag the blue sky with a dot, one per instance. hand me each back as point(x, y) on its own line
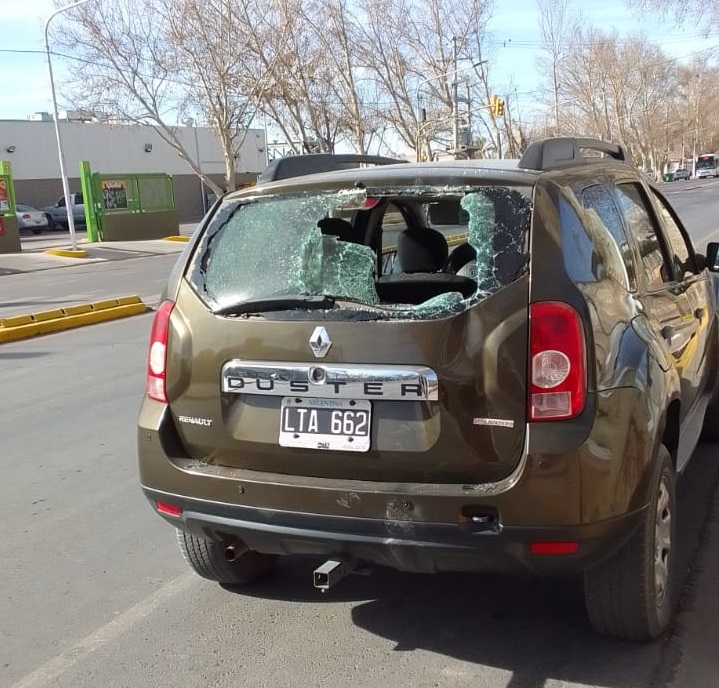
point(514, 35)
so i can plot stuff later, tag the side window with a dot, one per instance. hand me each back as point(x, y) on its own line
point(78, 199)
point(634, 206)
point(683, 252)
point(580, 259)
point(607, 234)
point(61, 202)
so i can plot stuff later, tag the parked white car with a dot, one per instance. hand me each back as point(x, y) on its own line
point(30, 218)
point(681, 173)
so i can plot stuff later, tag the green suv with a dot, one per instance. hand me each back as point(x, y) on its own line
point(451, 366)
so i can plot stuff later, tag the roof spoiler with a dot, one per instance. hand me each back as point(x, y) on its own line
point(556, 152)
point(314, 163)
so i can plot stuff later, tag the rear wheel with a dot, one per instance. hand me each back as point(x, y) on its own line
point(212, 560)
point(629, 595)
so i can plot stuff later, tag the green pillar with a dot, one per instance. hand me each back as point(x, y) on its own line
point(9, 235)
point(92, 207)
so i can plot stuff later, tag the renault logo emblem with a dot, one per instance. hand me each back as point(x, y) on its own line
point(320, 342)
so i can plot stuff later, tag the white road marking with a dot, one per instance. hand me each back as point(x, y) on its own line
point(50, 671)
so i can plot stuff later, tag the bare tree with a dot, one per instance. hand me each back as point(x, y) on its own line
point(297, 77)
point(406, 47)
point(189, 58)
point(698, 11)
point(210, 46)
point(557, 29)
point(629, 91)
point(336, 29)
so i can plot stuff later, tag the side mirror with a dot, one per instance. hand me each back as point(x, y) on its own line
point(712, 258)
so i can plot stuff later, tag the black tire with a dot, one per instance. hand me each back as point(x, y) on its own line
point(36, 230)
point(207, 558)
point(630, 595)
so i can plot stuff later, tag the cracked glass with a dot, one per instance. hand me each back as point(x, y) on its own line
point(306, 252)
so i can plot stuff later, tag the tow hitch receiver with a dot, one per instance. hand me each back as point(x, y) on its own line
point(331, 572)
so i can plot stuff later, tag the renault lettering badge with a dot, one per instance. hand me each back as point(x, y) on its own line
point(320, 342)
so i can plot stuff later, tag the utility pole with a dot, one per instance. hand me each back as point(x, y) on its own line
point(455, 99)
point(666, 141)
point(469, 139)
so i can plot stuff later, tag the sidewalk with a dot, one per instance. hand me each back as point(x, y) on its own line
point(33, 256)
point(34, 281)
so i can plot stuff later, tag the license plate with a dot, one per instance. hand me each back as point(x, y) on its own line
point(333, 424)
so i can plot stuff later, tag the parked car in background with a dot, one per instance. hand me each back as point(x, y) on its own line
point(526, 401)
point(29, 218)
point(57, 214)
point(681, 173)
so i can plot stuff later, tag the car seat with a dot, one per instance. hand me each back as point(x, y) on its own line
point(421, 250)
point(421, 254)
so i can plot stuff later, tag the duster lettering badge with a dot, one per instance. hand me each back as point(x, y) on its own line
point(350, 381)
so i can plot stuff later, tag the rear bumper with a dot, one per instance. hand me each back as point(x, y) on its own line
point(402, 544)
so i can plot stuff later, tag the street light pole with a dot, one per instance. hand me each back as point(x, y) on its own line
point(190, 122)
point(60, 153)
point(454, 102)
point(455, 98)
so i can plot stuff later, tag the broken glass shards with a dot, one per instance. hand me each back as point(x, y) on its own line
point(348, 271)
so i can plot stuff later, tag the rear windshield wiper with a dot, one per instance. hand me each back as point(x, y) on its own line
point(277, 303)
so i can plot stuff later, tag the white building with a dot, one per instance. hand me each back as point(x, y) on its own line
point(31, 147)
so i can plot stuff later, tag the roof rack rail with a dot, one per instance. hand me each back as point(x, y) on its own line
point(313, 163)
point(556, 152)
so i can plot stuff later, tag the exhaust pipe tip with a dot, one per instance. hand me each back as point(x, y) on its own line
point(234, 551)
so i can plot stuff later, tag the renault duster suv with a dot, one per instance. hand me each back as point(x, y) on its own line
point(438, 367)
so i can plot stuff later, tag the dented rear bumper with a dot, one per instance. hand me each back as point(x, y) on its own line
point(404, 544)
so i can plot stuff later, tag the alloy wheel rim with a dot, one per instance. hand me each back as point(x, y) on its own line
point(662, 543)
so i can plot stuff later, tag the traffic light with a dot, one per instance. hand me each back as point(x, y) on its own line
point(496, 105)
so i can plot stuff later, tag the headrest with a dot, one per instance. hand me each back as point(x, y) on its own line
point(340, 228)
point(422, 250)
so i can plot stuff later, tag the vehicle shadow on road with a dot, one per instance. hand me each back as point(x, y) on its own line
point(535, 628)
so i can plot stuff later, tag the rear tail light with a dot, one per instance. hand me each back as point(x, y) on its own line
point(157, 357)
point(558, 385)
point(26, 216)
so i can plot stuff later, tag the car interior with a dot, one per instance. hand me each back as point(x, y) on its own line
point(422, 245)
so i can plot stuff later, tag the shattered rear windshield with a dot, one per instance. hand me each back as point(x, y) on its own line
point(404, 252)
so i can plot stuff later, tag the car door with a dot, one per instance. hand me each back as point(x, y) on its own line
point(696, 286)
point(672, 303)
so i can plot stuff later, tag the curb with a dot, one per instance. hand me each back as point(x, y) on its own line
point(177, 238)
point(67, 253)
point(18, 327)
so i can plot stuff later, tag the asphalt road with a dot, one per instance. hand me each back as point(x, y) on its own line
point(95, 593)
point(697, 203)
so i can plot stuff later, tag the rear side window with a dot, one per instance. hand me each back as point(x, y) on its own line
point(635, 209)
point(594, 240)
